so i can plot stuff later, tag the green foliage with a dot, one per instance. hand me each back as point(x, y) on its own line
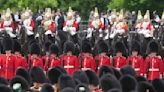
point(84, 6)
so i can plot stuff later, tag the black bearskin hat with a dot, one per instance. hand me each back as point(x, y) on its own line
point(47, 88)
point(37, 75)
point(153, 46)
point(54, 49)
point(47, 46)
point(135, 46)
point(69, 46)
point(7, 43)
point(23, 73)
point(105, 70)
point(82, 88)
point(5, 88)
point(120, 47)
point(65, 81)
point(81, 76)
point(86, 46)
point(158, 85)
point(35, 49)
point(128, 70)
point(16, 46)
point(145, 86)
point(20, 80)
point(102, 47)
point(54, 74)
point(108, 82)
point(128, 83)
point(93, 78)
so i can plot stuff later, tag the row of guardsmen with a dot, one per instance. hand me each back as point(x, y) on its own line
point(151, 67)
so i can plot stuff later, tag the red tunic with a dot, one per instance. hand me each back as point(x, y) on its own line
point(103, 61)
point(153, 67)
point(88, 63)
point(119, 62)
point(8, 66)
point(70, 63)
point(74, 24)
point(45, 62)
point(52, 26)
point(136, 63)
point(11, 25)
point(35, 61)
point(20, 62)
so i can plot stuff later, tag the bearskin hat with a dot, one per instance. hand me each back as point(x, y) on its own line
point(105, 70)
point(3, 81)
point(102, 47)
point(7, 43)
point(19, 80)
point(5, 88)
point(47, 46)
point(128, 70)
point(37, 75)
point(65, 81)
point(145, 87)
point(86, 46)
point(68, 89)
point(69, 46)
point(108, 82)
point(93, 78)
point(54, 74)
point(54, 49)
point(82, 88)
point(140, 78)
point(35, 49)
point(117, 73)
point(23, 73)
point(81, 76)
point(128, 83)
point(135, 46)
point(16, 46)
point(153, 46)
point(47, 88)
point(120, 47)
point(158, 85)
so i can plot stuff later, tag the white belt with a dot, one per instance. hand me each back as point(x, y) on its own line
point(136, 69)
point(118, 68)
point(68, 66)
point(154, 69)
point(84, 69)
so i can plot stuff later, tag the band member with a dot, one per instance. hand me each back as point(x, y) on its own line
point(7, 60)
point(8, 23)
point(20, 60)
point(34, 59)
point(54, 53)
point(28, 23)
point(102, 57)
point(153, 67)
point(119, 60)
point(46, 57)
point(95, 25)
point(48, 23)
point(135, 60)
point(69, 61)
point(86, 58)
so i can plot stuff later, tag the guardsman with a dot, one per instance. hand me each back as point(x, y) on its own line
point(86, 59)
point(7, 60)
point(34, 58)
point(69, 61)
point(139, 21)
point(135, 60)
point(119, 60)
point(153, 67)
point(20, 60)
point(102, 57)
